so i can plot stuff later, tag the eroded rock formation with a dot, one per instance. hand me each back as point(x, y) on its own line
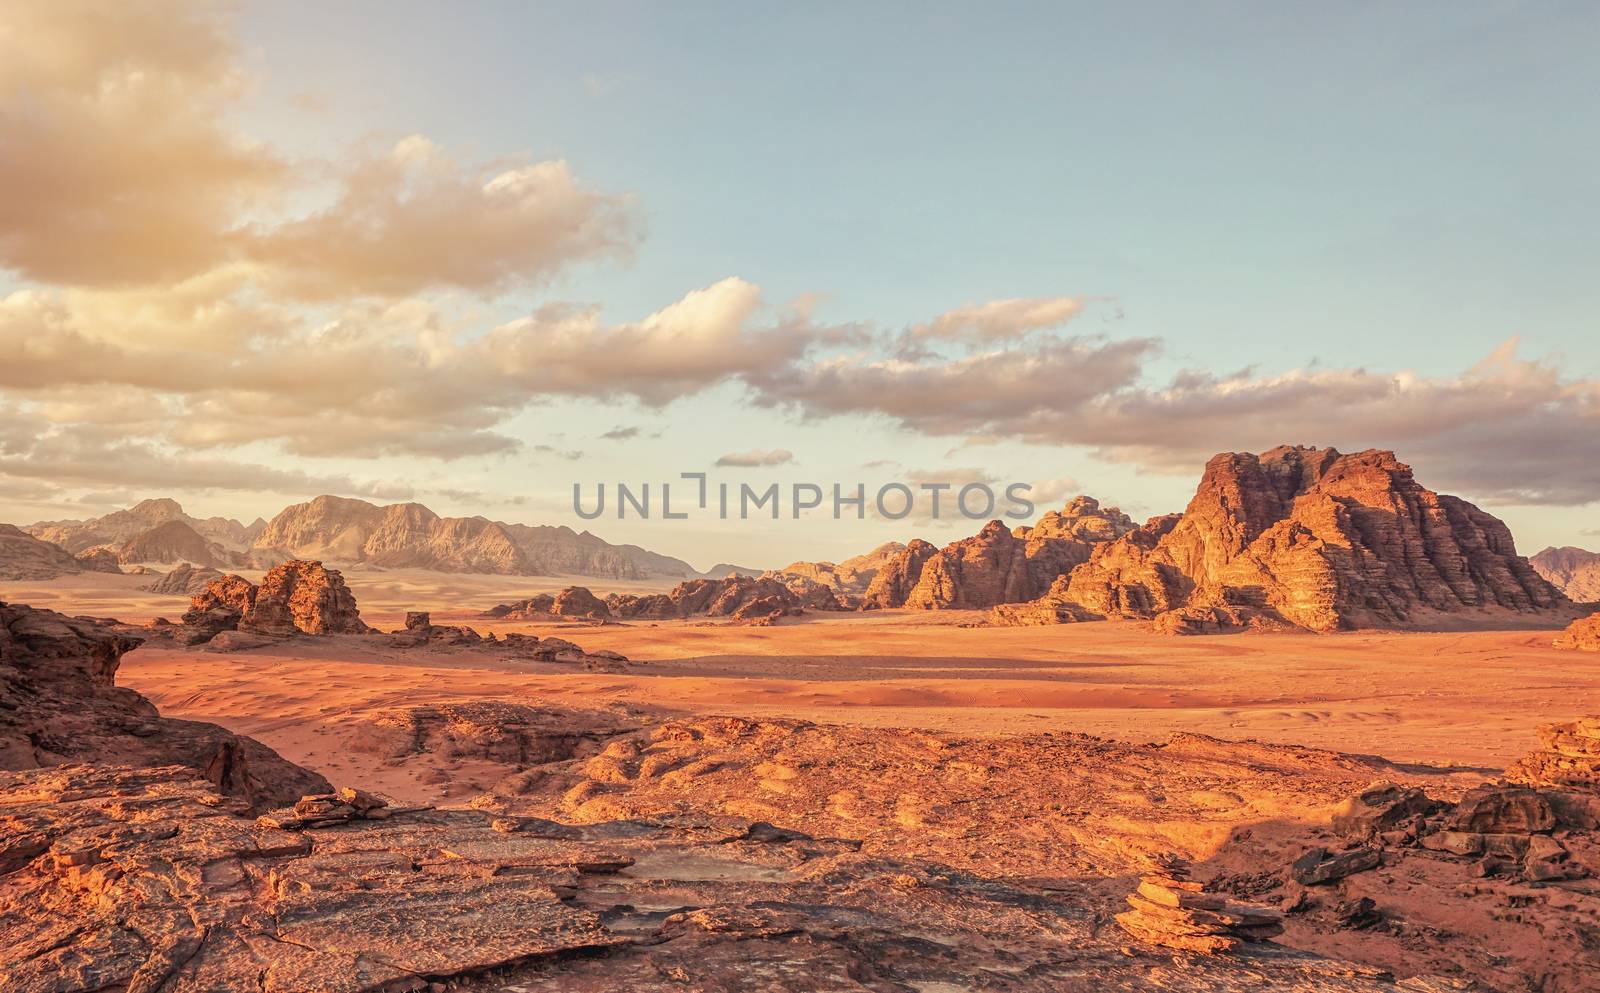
point(1313, 538)
point(295, 597)
point(742, 598)
point(99, 559)
point(59, 703)
point(996, 566)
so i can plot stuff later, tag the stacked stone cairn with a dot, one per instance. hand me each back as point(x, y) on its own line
point(1172, 910)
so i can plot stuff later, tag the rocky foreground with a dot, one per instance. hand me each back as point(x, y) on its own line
point(621, 850)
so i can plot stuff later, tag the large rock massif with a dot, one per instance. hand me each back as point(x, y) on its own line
point(1573, 571)
point(409, 535)
point(742, 598)
point(996, 565)
point(24, 557)
point(147, 529)
point(355, 532)
point(849, 578)
point(59, 704)
point(1306, 537)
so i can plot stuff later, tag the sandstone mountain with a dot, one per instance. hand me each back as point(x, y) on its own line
point(1308, 537)
point(743, 598)
point(59, 703)
point(355, 532)
point(24, 557)
point(1573, 571)
point(410, 535)
point(722, 570)
point(850, 578)
point(123, 526)
point(996, 565)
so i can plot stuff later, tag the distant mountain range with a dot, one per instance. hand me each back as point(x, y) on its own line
point(357, 533)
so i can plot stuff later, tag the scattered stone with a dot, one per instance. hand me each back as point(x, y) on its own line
point(1318, 866)
point(1568, 757)
point(1497, 809)
point(1173, 910)
point(1381, 808)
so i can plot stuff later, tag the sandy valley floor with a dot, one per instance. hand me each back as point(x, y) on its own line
point(1470, 698)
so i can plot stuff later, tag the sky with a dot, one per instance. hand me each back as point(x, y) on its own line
point(472, 255)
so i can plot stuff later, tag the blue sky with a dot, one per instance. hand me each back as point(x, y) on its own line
point(1393, 190)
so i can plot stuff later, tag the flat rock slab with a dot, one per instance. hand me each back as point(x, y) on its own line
point(145, 880)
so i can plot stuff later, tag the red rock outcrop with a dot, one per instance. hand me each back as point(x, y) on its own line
point(897, 577)
point(24, 557)
point(851, 577)
point(59, 703)
point(1581, 635)
point(987, 569)
point(996, 566)
point(1573, 571)
point(1064, 539)
point(740, 597)
point(577, 601)
point(303, 596)
point(1317, 539)
point(295, 597)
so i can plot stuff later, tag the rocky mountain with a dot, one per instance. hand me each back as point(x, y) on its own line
point(1306, 537)
point(176, 541)
point(122, 526)
point(723, 570)
point(24, 557)
point(1573, 571)
point(851, 577)
point(996, 565)
point(743, 598)
point(410, 535)
point(99, 559)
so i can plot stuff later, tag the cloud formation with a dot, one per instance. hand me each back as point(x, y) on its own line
point(119, 167)
point(757, 458)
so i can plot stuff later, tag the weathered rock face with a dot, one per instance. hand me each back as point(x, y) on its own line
point(24, 557)
point(1581, 635)
point(1063, 539)
point(99, 559)
point(987, 569)
point(59, 704)
point(996, 566)
point(185, 580)
point(1319, 539)
point(1573, 571)
point(1568, 756)
point(295, 597)
point(898, 576)
point(303, 596)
